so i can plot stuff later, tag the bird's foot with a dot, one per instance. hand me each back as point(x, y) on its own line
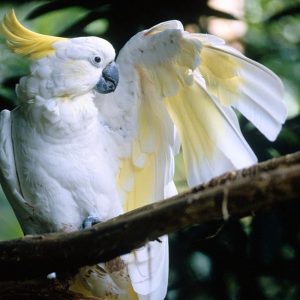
point(89, 221)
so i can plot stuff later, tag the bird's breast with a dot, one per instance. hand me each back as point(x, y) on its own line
point(66, 179)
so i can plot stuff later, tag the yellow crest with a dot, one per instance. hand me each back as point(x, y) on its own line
point(24, 41)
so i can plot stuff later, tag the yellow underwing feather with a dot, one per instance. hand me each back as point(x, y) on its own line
point(220, 73)
point(137, 178)
point(208, 133)
point(143, 180)
point(143, 175)
point(132, 294)
point(195, 139)
point(244, 84)
point(24, 41)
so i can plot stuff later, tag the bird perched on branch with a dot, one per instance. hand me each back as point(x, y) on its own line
point(92, 138)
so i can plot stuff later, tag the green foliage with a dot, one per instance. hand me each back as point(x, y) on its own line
point(9, 228)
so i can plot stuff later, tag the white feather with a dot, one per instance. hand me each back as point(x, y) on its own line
point(8, 176)
point(255, 91)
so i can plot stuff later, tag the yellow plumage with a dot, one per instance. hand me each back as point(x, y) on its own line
point(220, 72)
point(140, 178)
point(190, 114)
point(24, 41)
point(141, 189)
point(137, 172)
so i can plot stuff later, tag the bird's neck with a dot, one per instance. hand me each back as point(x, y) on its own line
point(62, 116)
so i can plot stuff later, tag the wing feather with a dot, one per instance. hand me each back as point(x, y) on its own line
point(8, 174)
point(186, 85)
point(211, 142)
point(246, 85)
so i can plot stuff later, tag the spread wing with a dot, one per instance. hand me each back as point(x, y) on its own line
point(8, 174)
point(190, 83)
point(243, 84)
point(183, 88)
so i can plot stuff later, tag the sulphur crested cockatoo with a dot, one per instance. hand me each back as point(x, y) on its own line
point(81, 147)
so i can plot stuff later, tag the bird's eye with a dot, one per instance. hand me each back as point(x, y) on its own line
point(97, 59)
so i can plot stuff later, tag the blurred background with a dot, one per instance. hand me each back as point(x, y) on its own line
point(257, 257)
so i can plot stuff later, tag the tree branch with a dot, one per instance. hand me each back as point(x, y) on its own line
point(235, 194)
point(40, 289)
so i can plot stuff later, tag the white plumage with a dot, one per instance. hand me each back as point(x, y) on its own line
point(67, 153)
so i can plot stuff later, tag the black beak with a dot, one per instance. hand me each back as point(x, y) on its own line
point(109, 79)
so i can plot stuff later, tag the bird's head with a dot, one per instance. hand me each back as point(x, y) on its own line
point(61, 67)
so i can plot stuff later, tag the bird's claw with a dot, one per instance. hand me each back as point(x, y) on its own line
point(89, 221)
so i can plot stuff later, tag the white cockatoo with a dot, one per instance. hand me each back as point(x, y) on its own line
point(92, 138)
